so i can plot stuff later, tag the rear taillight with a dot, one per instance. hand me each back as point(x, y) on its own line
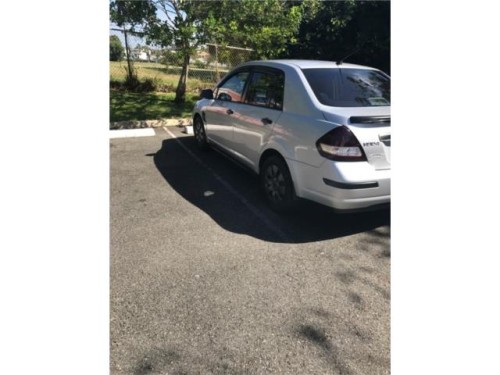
point(341, 144)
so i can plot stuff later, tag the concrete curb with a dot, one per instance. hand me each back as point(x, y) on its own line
point(150, 123)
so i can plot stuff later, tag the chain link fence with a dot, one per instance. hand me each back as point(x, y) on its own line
point(163, 66)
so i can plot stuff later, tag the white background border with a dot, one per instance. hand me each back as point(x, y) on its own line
point(54, 148)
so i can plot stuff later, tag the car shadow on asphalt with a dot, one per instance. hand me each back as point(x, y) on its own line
point(230, 195)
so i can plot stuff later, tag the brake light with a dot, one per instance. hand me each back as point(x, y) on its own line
point(340, 144)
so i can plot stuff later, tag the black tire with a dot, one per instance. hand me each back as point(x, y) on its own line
point(199, 133)
point(277, 184)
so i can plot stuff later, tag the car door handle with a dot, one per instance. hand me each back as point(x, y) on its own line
point(266, 121)
point(229, 112)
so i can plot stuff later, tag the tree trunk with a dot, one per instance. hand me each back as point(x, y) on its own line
point(180, 93)
point(130, 70)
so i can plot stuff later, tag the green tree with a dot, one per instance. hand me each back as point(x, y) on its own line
point(339, 28)
point(130, 15)
point(175, 24)
point(116, 49)
point(165, 23)
point(266, 26)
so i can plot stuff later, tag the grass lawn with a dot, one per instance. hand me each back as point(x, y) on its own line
point(148, 106)
point(166, 75)
point(126, 106)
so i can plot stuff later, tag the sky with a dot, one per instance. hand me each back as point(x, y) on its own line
point(133, 41)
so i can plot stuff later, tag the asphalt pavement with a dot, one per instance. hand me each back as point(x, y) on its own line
point(205, 279)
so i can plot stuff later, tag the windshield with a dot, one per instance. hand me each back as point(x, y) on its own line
point(349, 87)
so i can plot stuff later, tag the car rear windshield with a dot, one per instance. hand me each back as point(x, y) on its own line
point(347, 87)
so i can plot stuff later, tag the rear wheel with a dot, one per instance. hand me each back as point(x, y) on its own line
point(199, 133)
point(277, 184)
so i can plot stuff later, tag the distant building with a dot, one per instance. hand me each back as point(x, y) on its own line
point(145, 54)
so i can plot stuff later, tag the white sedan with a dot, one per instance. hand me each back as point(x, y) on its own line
point(316, 130)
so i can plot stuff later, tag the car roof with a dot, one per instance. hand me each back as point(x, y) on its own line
point(305, 64)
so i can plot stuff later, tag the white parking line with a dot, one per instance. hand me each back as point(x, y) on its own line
point(129, 133)
point(254, 210)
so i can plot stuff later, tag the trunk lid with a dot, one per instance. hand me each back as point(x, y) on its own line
point(372, 128)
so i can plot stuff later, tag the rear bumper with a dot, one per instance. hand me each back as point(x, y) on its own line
point(345, 186)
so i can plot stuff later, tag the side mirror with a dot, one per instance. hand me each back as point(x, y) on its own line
point(207, 94)
point(225, 97)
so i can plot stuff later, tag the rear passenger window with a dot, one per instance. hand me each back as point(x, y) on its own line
point(266, 90)
point(349, 87)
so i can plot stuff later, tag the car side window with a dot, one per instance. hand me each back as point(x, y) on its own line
point(266, 90)
point(232, 89)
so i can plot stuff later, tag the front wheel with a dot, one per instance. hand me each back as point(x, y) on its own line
point(199, 133)
point(277, 184)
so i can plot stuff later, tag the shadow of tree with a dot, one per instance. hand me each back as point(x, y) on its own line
point(377, 242)
point(340, 342)
point(163, 361)
point(155, 361)
point(317, 336)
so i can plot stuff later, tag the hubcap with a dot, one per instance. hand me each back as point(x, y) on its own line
point(275, 183)
point(198, 131)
